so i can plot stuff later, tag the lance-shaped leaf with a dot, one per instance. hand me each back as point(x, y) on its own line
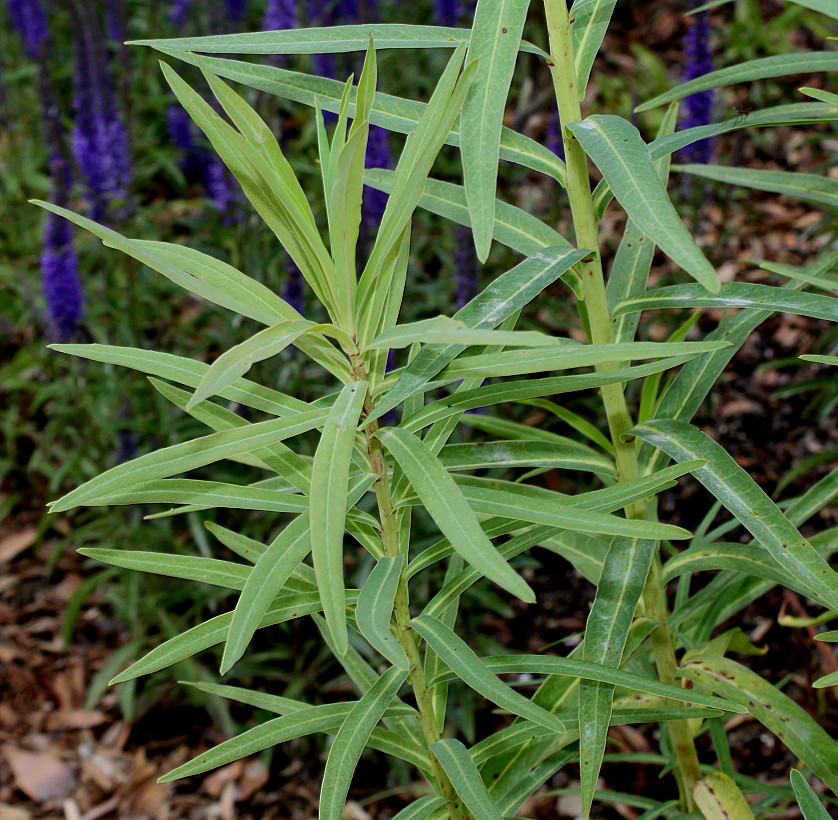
point(780, 65)
point(352, 738)
point(396, 114)
point(618, 591)
point(619, 152)
point(819, 94)
point(189, 455)
point(809, 802)
point(329, 40)
point(495, 35)
point(286, 607)
point(464, 664)
point(519, 362)
point(830, 360)
point(188, 372)
point(329, 484)
point(818, 190)
point(570, 667)
point(375, 609)
point(445, 503)
point(504, 297)
point(590, 19)
point(734, 295)
point(731, 485)
point(270, 573)
point(465, 778)
point(424, 808)
point(234, 363)
point(774, 710)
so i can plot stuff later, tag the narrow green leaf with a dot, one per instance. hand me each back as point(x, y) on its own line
point(444, 501)
point(774, 710)
point(506, 295)
point(589, 22)
point(495, 34)
point(618, 150)
point(819, 94)
point(189, 455)
point(465, 778)
point(464, 664)
point(810, 804)
point(271, 571)
point(731, 485)
point(490, 454)
point(618, 592)
point(819, 190)
point(424, 808)
point(719, 798)
point(188, 372)
point(831, 360)
point(329, 483)
point(827, 680)
point(351, 739)
point(329, 40)
point(514, 227)
point(570, 667)
point(779, 65)
point(234, 363)
point(375, 609)
point(516, 363)
point(734, 295)
point(393, 113)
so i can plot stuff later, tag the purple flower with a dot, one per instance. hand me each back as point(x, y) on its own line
point(178, 12)
point(59, 268)
point(554, 135)
point(378, 156)
point(346, 11)
point(30, 22)
point(99, 139)
point(466, 9)
point(698, 108)
point(320, 13)
point(280, 15)
point(465, 266)
point(220, 188)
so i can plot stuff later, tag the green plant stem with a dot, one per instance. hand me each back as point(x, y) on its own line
point(563, 72)
point(406, 635)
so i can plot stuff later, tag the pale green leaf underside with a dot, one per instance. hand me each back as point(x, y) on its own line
point(465, 778)
point(375, 609)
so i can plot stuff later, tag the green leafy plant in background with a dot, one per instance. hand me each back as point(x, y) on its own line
point(368, 474)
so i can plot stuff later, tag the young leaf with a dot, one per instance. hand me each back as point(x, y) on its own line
point(329, 484)
point(445, 503)
point(235, 362)
point(375, 609)
point(618, 150)
point(774, 710)
point(590, 19)
point(731, 485)
point(734, 295)
point(495, 35)
point(352, 738)
point(810, 805)
point(465, 665)
point(465, 778)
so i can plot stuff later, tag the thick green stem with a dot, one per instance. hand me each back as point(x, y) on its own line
point(392, 546)
point(563, 72)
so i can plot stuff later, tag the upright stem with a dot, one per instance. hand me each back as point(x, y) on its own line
point(563, 72)
point(391, 544)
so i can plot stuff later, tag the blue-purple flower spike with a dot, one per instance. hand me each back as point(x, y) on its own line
point(99, 139)
point(59, 268)
point(280, 15)
point(236, 10)
point(698, 108)
point(292, 290)
point(320, 14)
point(447, 12)
point(30, 22)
